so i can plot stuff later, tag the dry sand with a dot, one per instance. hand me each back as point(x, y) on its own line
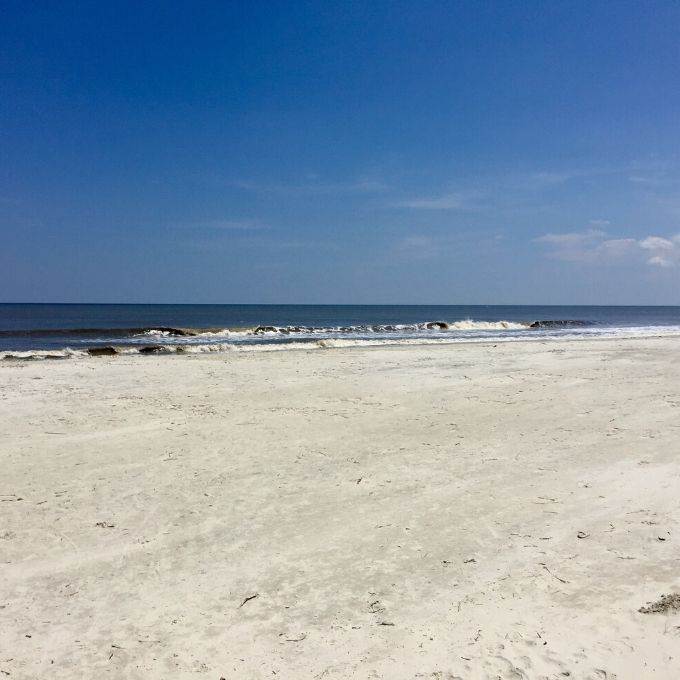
point(348, 513)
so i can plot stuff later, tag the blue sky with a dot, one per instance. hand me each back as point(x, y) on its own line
point(357, 152)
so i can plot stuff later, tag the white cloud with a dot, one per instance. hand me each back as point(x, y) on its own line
point(461, 199)
point(660, 261)
point(452, 201)
point(665, 252)
point(418, 247)
point(488, 193)
point(656, 243)
point(222, 225)
point(593, 246)
point(617, 247)
point(549, 178)
point(573, 239)
point(313, 186)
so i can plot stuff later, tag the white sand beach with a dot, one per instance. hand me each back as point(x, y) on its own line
point(439, 512)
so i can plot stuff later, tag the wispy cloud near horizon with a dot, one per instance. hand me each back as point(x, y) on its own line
point(593, 246)
point(312, 186)
point(458, 200)
point(225, 225)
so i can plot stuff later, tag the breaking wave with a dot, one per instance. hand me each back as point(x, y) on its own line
point(464, 325)
point(560, 323)
point(190, 346)
point(176, 332)
point(41, 355)
point(96, 332)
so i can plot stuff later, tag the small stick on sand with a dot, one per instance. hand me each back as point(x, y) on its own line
point(248, 599)
point(561, 580)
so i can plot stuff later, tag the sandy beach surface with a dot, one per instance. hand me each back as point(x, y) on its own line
point(453, 511)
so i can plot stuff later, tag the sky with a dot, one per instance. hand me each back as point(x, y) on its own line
point(340, 152)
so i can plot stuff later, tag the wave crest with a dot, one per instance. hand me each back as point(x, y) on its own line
point(463, 325)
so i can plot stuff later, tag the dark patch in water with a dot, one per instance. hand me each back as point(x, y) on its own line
point(105, 351)
point(35, 357)
point(152, 349)
point(560, 323)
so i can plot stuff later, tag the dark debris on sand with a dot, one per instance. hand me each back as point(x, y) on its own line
point(664, 605)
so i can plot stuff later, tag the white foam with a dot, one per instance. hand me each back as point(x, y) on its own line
point(42, 355)
point(331, 343)
point(246, 347)
point(251, 344)
point(471, 325)
point(372, 329)
point(208, 347)
point(225, 332)
point(154, 332)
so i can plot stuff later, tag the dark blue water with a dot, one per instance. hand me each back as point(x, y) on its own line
point(49, 326)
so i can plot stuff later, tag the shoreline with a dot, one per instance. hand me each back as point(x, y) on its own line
point(130, 350)
point(471, 511)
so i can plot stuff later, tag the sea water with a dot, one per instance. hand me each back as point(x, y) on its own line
point(37, 329)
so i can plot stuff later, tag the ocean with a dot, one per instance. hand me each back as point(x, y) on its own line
point(61, 330)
